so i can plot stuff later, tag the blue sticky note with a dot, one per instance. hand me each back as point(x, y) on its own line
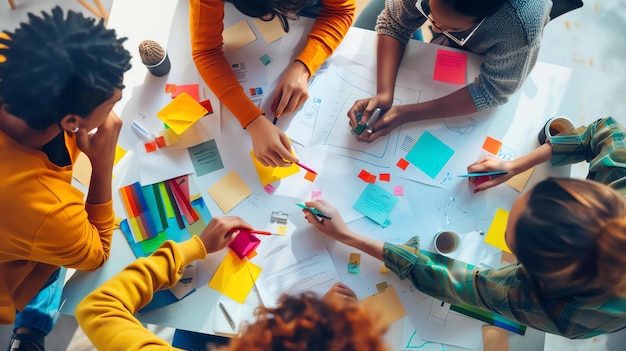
point(429, 154)
point(376, 204)
point(353, 268)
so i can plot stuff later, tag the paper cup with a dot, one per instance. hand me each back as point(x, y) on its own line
point(446, 242)
point(554, 126)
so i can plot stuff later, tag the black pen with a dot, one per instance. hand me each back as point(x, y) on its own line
point(275, 120)
point(227, 315)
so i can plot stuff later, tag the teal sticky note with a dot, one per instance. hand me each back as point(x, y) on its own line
point(353, 268)
point(376, 204)
point(429, 154)
point(205, 157)
point(265, 59)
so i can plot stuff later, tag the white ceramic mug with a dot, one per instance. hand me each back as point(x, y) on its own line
point(554, 126)
point(446, 242)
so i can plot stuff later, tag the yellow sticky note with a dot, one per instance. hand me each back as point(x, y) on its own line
point(270, 30)
point(384, 270)
point(235, 277)
point(269, 175)
point(355, 258)
point(81, 169)
point(181, 113)
point(238, 36)
point(519, 181)
point(495, 234)
point(119, 154)
point(229, 191)
point(385, 306)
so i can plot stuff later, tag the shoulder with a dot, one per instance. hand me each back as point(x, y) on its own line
point(529, 16)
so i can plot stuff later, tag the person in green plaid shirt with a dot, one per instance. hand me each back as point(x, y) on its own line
point(569, 236)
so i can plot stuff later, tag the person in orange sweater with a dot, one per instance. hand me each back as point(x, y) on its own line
point(60, 76)
point(303, 322)
point(270, 144)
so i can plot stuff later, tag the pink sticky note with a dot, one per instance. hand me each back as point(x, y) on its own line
point(269, 188)
point(450, 66)
point(398, 190)
point(191, 89)
point(244, 243)
point(316, 195)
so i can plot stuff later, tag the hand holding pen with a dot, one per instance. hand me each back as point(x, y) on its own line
point(335, 228)
point(489, 172)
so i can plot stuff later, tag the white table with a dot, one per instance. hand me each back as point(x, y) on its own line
point(423, 210)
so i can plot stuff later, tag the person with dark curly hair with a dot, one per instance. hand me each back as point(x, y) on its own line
point(569, 236)
point(305, 322)
point(332, 21)
point(60, 75)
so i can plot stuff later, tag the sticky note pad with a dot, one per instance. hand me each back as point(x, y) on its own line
point(384, 270)
point(429, 154)
point(310, 176)
point(376, 204)
point(270, 30)
point(181, 113)
point(234, 277)
point(265, 59)
point(495, 234)
point(316, 195)
point(353, 268)
point(384, 177)
point(450, 67)
point(269, 188)
point(364, 175)
point(398, 190)
point(238, 35)
point(371, 179)
point(385, 306)
point(518, 182)
point(269, 175)
point(492, 145)
point(192, 89)
point(402, 164)
point(355, 258)
point(229, 191)
point(381, 286)
point(244, 244)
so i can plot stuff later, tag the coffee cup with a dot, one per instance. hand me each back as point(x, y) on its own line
point(446, 242)
point(554, 126)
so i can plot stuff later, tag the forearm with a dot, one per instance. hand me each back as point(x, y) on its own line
point(536, 157)
point(100, 189)
point(456, 104)
point(368, 245)
point(388, 57)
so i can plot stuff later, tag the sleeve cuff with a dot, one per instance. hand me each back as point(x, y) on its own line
point(401, 258)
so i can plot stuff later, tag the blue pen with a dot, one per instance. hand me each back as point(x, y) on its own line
point(314, 211)
point(482, 174)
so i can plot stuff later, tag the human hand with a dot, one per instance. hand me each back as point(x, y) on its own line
point(100, 146)
point(490, 164)
point(389, 119)
point(291, 90)
point(221, 231)
point(335, 228)
point(340, 292)
point(270, 145)
point(366, 107)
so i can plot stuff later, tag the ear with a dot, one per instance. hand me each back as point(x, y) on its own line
point(71, 123)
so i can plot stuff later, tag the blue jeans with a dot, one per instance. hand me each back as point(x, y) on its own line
point(42, 311)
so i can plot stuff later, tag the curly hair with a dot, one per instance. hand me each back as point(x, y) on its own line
point(572, 237)
point(305, 322)
point(55, 65)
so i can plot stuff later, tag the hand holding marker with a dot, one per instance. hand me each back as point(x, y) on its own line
point(314, 211)
point(361, 127)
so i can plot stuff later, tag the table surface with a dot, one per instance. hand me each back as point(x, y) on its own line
point(423, 210)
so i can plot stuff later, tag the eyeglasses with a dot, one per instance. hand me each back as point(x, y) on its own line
point(283, 20)
point(461, 42)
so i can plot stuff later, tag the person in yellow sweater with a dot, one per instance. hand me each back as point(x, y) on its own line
point(270, 144)
point(298, 323)
point(60, 76)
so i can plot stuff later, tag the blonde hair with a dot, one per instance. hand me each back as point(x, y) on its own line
point(572, 237)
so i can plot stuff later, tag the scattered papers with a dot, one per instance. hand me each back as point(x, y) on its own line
point(385, 306)
point(238, 36)
point(234, 277)
point(269, 175)
point(229, 191)
point(376, 204)
point(497, 229)
point(429, 154)
point(450, 67)
point(519, 181)
point(181, 113)
point(205, 158)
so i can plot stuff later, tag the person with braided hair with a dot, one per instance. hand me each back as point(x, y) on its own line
point(569, 236)
point(60, 75)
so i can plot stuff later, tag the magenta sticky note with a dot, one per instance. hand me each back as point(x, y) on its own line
point(244, 243)
point(398, 190)
point(450, 66)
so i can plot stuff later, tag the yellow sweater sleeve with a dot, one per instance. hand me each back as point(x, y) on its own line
point(207, 24)
point(106, 314)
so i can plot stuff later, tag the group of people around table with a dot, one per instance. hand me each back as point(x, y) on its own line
point(62, 73)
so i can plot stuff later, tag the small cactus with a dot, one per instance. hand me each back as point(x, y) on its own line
point(151, 52)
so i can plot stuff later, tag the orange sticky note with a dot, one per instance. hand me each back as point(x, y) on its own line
point(365, 175)
point(450, 66)
point(181, 113)
point(497, 229)
point(310, 176)
point(403, 164)
point(371, 179)
point(492, 145)
point(384, 177)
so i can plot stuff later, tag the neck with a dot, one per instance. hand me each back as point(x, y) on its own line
point(18, 130)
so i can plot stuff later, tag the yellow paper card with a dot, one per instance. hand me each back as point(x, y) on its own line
point(234, 277)
point(270, 30)
point(181, 113)
point(81, 169)
point(519, 181)
point(119, 154)
point(238, 36)
point(229, 191)
point(269, 175)
point(495, 234)
point(385, 306)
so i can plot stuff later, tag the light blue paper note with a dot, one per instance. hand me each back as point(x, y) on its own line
point(376, 204)
point(205, 158)
point(354, 268)
point(429, 154)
